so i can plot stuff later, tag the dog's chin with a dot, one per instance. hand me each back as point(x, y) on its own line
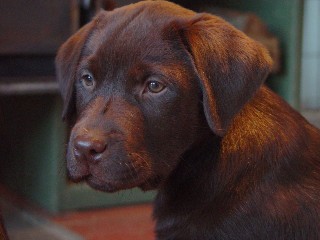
point(114, 186)
point(102, 186)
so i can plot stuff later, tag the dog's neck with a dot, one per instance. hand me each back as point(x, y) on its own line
point(199, 158)
point(175, 191)
point(232, 166)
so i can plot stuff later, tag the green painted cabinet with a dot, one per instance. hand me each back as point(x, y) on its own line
point(284, 19)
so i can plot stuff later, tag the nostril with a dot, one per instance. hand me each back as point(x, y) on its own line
point(90, 148)
point(97, 147)
point(93, 152)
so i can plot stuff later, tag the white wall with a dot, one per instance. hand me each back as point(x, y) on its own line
point(310, 79)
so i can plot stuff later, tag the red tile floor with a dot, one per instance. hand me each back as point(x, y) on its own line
point(120, 223)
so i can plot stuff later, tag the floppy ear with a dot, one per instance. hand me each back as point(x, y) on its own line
point(230, 67)
point(66, 62)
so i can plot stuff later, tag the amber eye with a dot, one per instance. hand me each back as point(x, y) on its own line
point(155, 86)
point(87, 81)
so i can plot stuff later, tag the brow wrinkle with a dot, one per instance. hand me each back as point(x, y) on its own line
point(106, 107)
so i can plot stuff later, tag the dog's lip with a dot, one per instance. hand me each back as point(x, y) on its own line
point(100, 185)
point(106, 185)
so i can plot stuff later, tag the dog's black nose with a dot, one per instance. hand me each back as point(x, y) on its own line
point(89, 148)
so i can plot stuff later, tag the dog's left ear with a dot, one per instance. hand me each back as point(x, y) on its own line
point(66, 62)
point(230, 67)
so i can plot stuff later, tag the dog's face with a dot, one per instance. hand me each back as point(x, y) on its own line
point(147, 82)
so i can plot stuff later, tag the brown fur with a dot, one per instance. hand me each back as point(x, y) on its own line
point(230, 158)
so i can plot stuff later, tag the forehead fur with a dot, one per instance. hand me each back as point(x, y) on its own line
point(132, 26)
point(137, 29)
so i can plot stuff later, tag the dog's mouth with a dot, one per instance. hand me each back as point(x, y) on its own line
point(115, 170)
point(102, 185)
point(112, 185)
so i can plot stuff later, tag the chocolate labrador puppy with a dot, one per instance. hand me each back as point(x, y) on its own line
point(164, 98)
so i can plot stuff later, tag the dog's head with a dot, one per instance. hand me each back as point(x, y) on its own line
point(147, 82)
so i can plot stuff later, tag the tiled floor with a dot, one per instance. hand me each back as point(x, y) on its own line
point(131, 222)
point(25, 222)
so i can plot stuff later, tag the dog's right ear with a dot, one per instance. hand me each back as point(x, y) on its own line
point(66, 62)
point(230, 66)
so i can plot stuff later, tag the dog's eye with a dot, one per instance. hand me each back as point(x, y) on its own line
point(155, 86)
point(87, 81)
